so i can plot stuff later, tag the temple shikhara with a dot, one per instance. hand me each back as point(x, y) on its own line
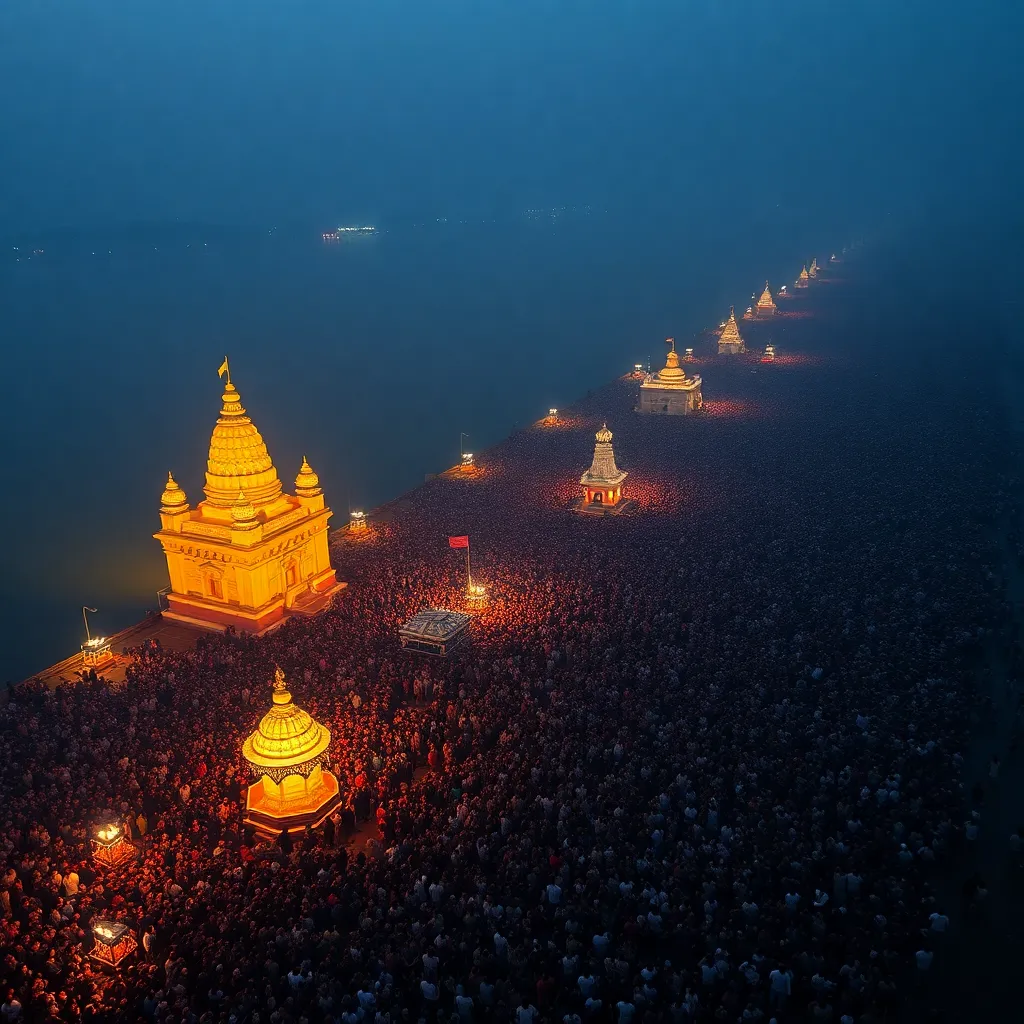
point(765, 304)
point(670, 392)
point(813, 272)
point(248, 555)
point(804, 278)
point(287, 755)
point(730, 341)
point(602, 483)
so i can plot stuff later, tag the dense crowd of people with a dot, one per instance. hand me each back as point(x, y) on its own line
point(697, 763)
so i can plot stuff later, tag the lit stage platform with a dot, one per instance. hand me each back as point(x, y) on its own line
point(434, 631)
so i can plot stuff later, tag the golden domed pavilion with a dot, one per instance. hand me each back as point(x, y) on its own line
point(247, 555)
point(670, 392)
point(287, 755)
point(804, 278)
point(602, 483)
point(730, 341)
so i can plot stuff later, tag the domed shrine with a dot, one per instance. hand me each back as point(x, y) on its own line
point(288, 755)
point(602, 483)
point(730, 341)
point(247, 555)
point(670, 392)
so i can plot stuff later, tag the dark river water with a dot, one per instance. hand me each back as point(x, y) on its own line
point(369, 357)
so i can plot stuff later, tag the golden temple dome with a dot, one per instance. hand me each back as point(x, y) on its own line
point(307, 483)
point(604, 435)
point(288, 741)
point(173, 499)
point(238, 458)
point(766, 296)
point(673, 373)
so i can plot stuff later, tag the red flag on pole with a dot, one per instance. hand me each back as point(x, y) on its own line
point(458, 542)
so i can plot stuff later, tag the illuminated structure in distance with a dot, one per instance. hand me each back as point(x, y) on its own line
point(804, 278)
point(730, 341)
point(113, 941)
point(769, 353)
point(357, 522)
point(602, 483)
point(813, 271)
point(667, 393)
point(765, 304)
point(287, 755)
point(249, 554)
point(110, 846)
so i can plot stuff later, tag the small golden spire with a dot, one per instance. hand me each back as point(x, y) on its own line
point(604, 434)
point(307, 483)
point(243, 514)
point(173, 499)
point(280, 687)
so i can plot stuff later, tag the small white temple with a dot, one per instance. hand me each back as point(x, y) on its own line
point(602, 483)
point(670, 392)
point(730, 341)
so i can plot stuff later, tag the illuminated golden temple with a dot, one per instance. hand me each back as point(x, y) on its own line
point(730, 341)
point(766, 304)
point(287, 755)
point(670, 392)
point(804, 278)
point(248, 555)
point(602, 483)
point(813, 272)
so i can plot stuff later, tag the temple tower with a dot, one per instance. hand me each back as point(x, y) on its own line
point(804, 278)
point(813, 271)
point(730, 341)
point(602, 483)
point(248, 554)
point(287, 755)
point(765, 304)
point(670, 392)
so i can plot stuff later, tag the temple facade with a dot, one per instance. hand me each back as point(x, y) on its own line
point(670, 392)
point(602, 483)
point(248, 555)
point(288, 758)
point(730, 341)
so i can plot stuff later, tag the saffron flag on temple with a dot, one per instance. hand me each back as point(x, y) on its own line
point(223, 368)
point(458, 542)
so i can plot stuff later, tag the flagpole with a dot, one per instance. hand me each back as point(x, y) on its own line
point(469, 573)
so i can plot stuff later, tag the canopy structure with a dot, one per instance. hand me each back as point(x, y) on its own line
point(434, 631)
point(288, 755)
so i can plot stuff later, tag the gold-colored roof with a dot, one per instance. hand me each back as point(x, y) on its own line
point(307, 482)
point(604, 435)
point(287, 737)
point(803, 273)
point(238, 459)
point(603, 470)
point(766, 297)
point(730, 333)
point(673, 373)
point(173, 499)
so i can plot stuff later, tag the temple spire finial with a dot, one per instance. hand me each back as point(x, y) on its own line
point(224, 370)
